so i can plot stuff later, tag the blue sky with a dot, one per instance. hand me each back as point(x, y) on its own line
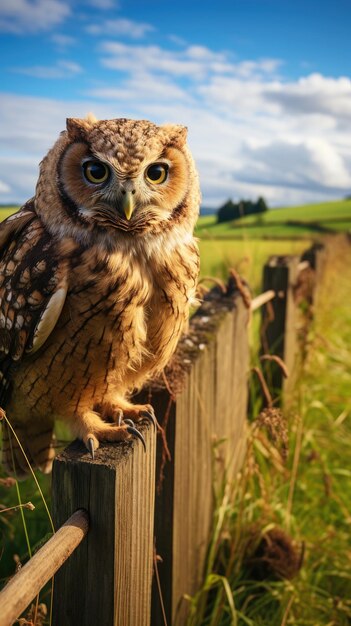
point(264, 87)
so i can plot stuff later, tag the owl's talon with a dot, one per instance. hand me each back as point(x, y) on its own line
point(120, 417)
point(129, 422)
point(135, 433)
point(149, 415)
point(91, 447)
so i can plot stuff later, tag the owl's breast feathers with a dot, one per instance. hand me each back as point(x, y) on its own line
point(75, 320)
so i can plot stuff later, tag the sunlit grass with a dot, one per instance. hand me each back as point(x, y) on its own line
point(308, 212)
point(276, 223)
point(308, 498)
point(7, 211)
point(246, 256)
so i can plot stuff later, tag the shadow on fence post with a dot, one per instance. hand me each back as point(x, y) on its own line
point(107, 580)
point(286, 318)
point(202, 400)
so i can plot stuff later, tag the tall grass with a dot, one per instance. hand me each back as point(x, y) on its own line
point(280, 548)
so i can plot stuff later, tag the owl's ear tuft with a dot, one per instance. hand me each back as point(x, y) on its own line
point(176, 134)
point(77, 128)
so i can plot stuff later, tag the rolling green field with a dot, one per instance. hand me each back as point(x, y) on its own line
point(246, 244)
point(292, 222)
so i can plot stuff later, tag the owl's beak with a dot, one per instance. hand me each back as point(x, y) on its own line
point(128, 204)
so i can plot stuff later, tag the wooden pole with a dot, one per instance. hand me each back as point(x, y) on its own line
point(107, 581)
point(262, 299)
point(27, 583)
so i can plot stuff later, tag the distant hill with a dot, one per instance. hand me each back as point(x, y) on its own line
point(300, 221)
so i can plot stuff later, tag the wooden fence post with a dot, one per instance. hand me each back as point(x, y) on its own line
point(108, 579)
point(278, 326)
point(286, 318)
point(202, 400)
point(316, 256)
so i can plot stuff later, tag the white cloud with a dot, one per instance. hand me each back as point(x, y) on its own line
point(196, 62)
point(63, 41)
point(62, 69)
point(103, 4)
point(4, 188)
point(124, 27)
point(313, 94)
point(142, 86)
point(179, 41)
point(21, 176)
point(153, 59)
point(313, 164)
point(30, 16)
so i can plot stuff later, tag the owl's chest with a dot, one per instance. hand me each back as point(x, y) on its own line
point(118, 310)
point(109, 304)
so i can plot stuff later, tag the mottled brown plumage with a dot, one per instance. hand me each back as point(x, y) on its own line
point(97, 274)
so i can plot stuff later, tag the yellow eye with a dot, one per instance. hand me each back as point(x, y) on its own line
point(157, 173)
point(96, 172)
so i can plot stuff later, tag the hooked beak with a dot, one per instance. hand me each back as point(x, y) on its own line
point(128, 204)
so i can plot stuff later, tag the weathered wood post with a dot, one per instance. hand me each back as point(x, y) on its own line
point(316, 256)
point(279, 319)
point(108, 579)
point(202, 400)
point(286, 318)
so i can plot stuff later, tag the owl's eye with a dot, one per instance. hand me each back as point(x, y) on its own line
point(96, 172)
point(157, 173)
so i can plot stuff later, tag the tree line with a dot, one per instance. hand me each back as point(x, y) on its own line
point(233, 211)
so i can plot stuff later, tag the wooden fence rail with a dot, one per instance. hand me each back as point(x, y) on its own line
point(27, 583)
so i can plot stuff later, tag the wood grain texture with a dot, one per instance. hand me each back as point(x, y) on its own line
point(27, 583)
point(208, 379)
point(107, 581)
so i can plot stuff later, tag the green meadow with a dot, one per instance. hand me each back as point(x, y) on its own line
point(300, 500)
point(292, 222)
point(307, 497)
point(6, 211)
point(246, 244)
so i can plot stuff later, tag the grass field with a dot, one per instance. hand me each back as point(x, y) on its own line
point(6, 212)
point(246, 246)
point(333, 216)
point(304, 500)
point(247, 256)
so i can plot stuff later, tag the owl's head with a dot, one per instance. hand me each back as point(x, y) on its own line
point(118, 176)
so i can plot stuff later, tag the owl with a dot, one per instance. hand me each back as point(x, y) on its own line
point(97, 274)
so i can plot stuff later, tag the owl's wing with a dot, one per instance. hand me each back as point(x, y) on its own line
point(33, 288)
